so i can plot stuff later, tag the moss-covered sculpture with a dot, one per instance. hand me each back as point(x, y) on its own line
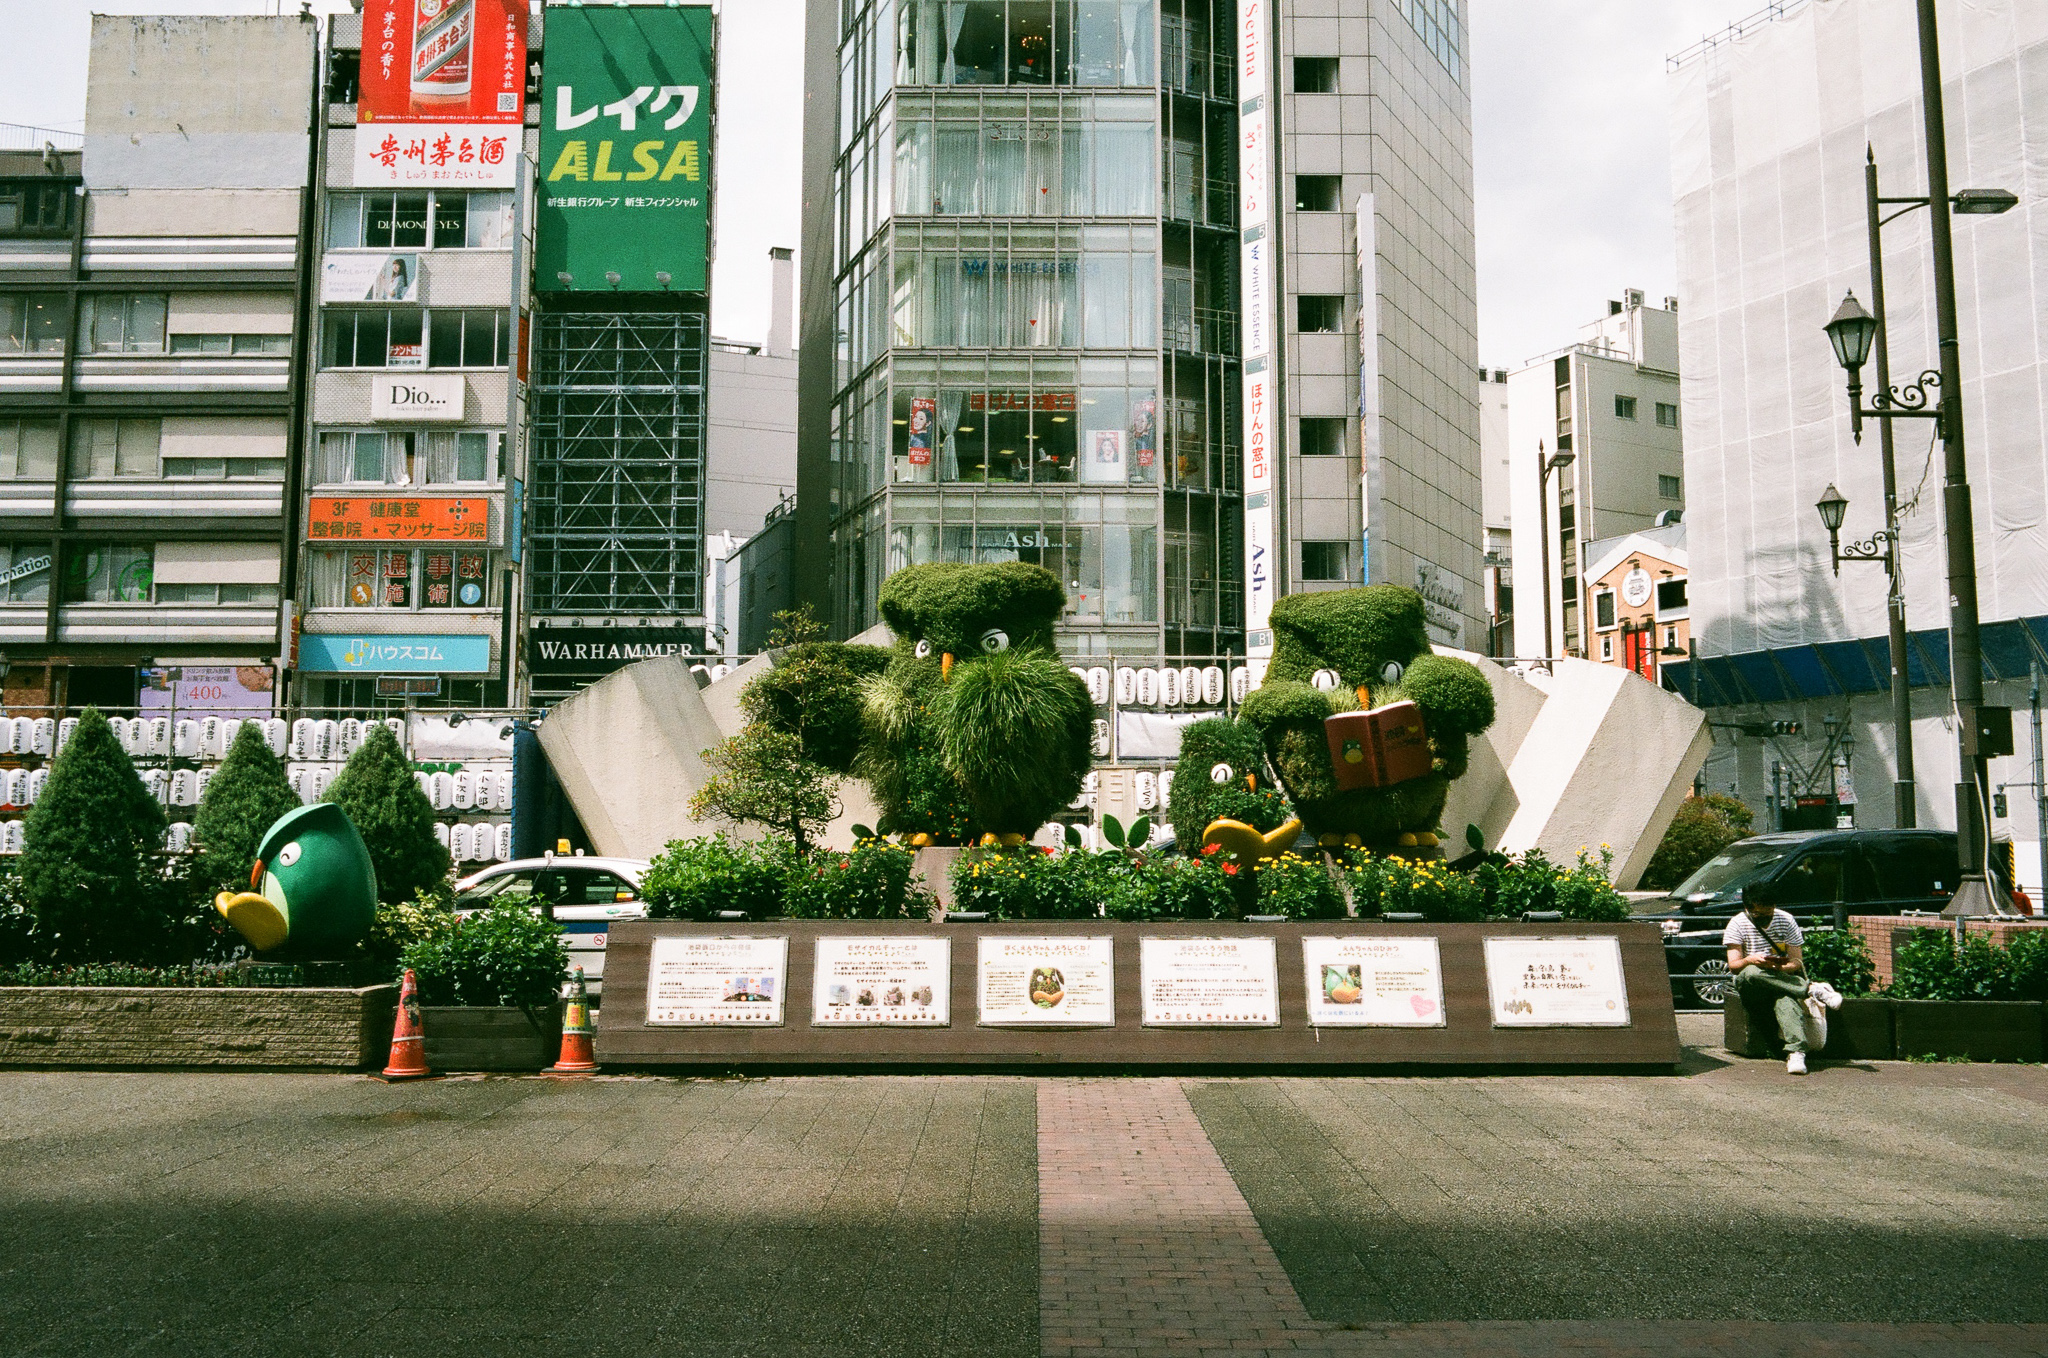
point(314, 890)
point(1354, 649)
point(1221, 775)
point(968, 725)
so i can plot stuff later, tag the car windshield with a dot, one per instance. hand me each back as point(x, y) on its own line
point(506, 886)
point(1730, 869)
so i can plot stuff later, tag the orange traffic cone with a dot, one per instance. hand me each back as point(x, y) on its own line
point(408, 1046)
point(578, 1058)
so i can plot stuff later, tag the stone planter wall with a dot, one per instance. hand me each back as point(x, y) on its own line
point(1861, 1030)
point(1880, 1029)
point(489, 1039)
point(115, 1027)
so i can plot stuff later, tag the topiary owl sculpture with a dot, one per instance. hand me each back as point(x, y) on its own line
point(1221, 775)
point(1349, 651)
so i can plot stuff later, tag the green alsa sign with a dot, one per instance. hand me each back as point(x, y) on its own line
point(625, 149)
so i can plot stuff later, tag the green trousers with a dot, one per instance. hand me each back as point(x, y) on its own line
point(1787, 992)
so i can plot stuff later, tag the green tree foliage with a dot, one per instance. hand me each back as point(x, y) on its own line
point(246, 797)
point(1841, 958)
point(92, 858)
point(376, 790)
point(696, 878)
point(1702, 828)
point(762, 777)
point(814, 694)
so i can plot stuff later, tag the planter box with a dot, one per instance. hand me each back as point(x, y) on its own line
point(1861, 1030)
point(1983, 1030)
point(138, 1027)
point(490, 1039)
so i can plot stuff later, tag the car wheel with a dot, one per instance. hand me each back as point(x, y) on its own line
point(1711, 982)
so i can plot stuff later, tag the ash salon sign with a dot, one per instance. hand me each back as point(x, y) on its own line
point(417, 399)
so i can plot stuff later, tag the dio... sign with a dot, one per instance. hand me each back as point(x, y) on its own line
point(435, 399)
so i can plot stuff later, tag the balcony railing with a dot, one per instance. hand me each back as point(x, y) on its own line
point(1200, 330)
point(1205, 202)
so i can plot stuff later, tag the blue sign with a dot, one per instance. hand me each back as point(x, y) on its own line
point(344, 653)
point(516, 500)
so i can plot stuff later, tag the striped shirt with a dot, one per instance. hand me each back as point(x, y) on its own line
point(1783, 931)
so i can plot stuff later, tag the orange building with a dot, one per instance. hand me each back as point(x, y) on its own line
point(1636, 601)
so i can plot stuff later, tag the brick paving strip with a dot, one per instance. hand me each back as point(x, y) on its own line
point(1147, 1247)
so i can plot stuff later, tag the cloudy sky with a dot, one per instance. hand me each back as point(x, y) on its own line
point(1570, 149)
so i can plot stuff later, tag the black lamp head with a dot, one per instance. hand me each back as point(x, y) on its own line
point(1832, 506)
point(1851, 332)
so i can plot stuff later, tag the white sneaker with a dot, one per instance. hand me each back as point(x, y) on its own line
point(1795, 1064)
point(1825, 993)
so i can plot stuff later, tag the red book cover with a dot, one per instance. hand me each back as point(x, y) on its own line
point(1379, 748)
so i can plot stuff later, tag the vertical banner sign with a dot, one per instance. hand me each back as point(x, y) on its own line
point(1255, 195)
point(1372, 472)
point(625, 149)
point(443, 96)
point(924, 413)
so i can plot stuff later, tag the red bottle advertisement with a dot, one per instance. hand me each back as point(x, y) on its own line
point(443, 92)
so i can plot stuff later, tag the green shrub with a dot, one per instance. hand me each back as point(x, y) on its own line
point(1702, 828)
point(508, 954)
point(1841, 958)
point(377, 791)
point(1927, 965)
point(1171, 889)
point(400, 924)
point(813, 693)
point(1032, 883)
point(122, 974)
point(1299, 888)
point(246, 796)
point(1924, 965)
point(1585, 891)
point(2027, 954)
point(1396, 886)
point(871, 881)
point(763, 777)
point(696, 878)
point(92, 860)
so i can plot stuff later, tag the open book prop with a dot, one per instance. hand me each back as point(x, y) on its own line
point(1379, 748)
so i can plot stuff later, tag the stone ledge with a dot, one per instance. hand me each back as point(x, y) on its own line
point(110, 1026)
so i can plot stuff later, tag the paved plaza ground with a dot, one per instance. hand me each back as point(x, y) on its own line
point(1878, 1209)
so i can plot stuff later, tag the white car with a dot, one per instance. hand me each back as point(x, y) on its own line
point(582, 895)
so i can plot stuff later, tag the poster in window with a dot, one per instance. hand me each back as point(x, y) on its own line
point(923, 415)
point(405, 355)
point(1102, 457)
point(356, 277)
point(442, 92)
point(1556, 982)
point(1144, 420)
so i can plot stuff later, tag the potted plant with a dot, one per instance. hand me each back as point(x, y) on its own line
point(488, 990)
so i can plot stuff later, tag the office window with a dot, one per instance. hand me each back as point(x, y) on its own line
point(231, 596)
point(1325, 561)
point(1624, 407)
point(407, 458)
point(1322, 436)
point(104, 449)
point(446, 219)
point(1670, 488)
point(376, 337)
point(411, 578)
point(31, 323)
point(1023, 42)
point(1603, 608)
point(467, 339)
point(1667, 414)
point(1670, 595)
point(1436, 23)
point(32, 560)
point(1318, 193)
point(36, 207)
point(1315, 75)
point(109, 572)
point(28, 450)
point(122, 322)
point(1319, 314)
point(241, 346)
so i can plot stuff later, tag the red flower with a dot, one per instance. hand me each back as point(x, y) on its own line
point(1208, 849)
point(1045, 849)
point(1230, 869)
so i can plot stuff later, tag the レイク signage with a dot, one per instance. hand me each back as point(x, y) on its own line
point(418, 519)
point(443, 93)
point(417, 400)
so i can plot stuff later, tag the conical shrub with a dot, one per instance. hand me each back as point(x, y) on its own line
point(377, 791)
point(245, 797)
point(92, 854)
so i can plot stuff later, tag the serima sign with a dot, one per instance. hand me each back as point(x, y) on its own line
point(625, 149)
point(443, 93)
point(422, 399)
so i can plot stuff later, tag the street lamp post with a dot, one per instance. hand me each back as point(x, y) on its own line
point(1883, 546)
point(1851, 332)
point(1546, 464)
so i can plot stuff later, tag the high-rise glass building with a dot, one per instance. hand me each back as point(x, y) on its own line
point(1022, 314)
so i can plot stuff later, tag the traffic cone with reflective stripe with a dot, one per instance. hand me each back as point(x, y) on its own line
point(408, 1044)
point(578, 1056)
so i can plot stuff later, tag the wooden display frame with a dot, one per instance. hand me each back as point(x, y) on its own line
point(1469, 1037)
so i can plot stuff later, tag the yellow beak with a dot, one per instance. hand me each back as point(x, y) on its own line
point(1251, 782)
point(945, 667)
point(1363, 700)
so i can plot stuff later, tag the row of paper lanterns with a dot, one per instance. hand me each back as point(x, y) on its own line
point(308, 738)
point(1145, 686)
point(1154, 791)
point(467, 789)
point(483, 842)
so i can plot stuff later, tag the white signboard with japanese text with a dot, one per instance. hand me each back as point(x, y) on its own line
point(1365, 982)
point(1255, 297)
point(876, 979)
point(1556, 983)
point(359, 276)
point(717, 982)
point(1046, 982)
point(1209, 982)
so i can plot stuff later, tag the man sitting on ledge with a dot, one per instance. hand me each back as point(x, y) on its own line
point(1764, 956)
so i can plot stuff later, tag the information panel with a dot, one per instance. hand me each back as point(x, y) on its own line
point(1046, 982)
point(1556, 983)
point(897, 981)
point(1366, 982)
point(1209, 982)
point(716, 982)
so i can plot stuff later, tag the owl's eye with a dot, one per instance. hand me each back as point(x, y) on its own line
point(924, 650)
point(995, 639)
point(1326, 680)
point(288, 855)
point(1221, 773)
point(1392, 673)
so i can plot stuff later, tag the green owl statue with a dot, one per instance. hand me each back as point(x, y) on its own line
point(313, 888)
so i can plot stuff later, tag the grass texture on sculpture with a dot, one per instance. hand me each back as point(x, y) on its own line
point(313, 890)
point(1366, 726)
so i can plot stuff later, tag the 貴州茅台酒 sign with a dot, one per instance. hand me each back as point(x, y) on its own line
point(443, 93)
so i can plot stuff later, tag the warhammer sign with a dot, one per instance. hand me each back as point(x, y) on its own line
point(575, 651)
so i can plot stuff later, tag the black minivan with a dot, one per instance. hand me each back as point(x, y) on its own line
point(1871, 872)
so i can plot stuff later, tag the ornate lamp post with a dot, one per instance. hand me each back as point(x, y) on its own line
point(1936, 395)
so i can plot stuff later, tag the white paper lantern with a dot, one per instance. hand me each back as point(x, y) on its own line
point(462, 790)
point(1126, 685)
point(37, 781)
point(24, 735)
point(185, 738)
point(7, 733)
point(1240, 683)
point(323, 778)
point(1169, 688)
point(1212, 685)
point(441, 834)
point(183, 789)
point(442, 792)
point(1099, 746)
point(501, 845)
point(460, 843)
point(12, 836)
point(277, 735)
point(1148, 687)
point(178, 836)
point(64, 730)
point(1148, 791)
point(1099, 684)
point(350, 733)
point(45, 735)
point(14, 786)
point(1190, 685)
